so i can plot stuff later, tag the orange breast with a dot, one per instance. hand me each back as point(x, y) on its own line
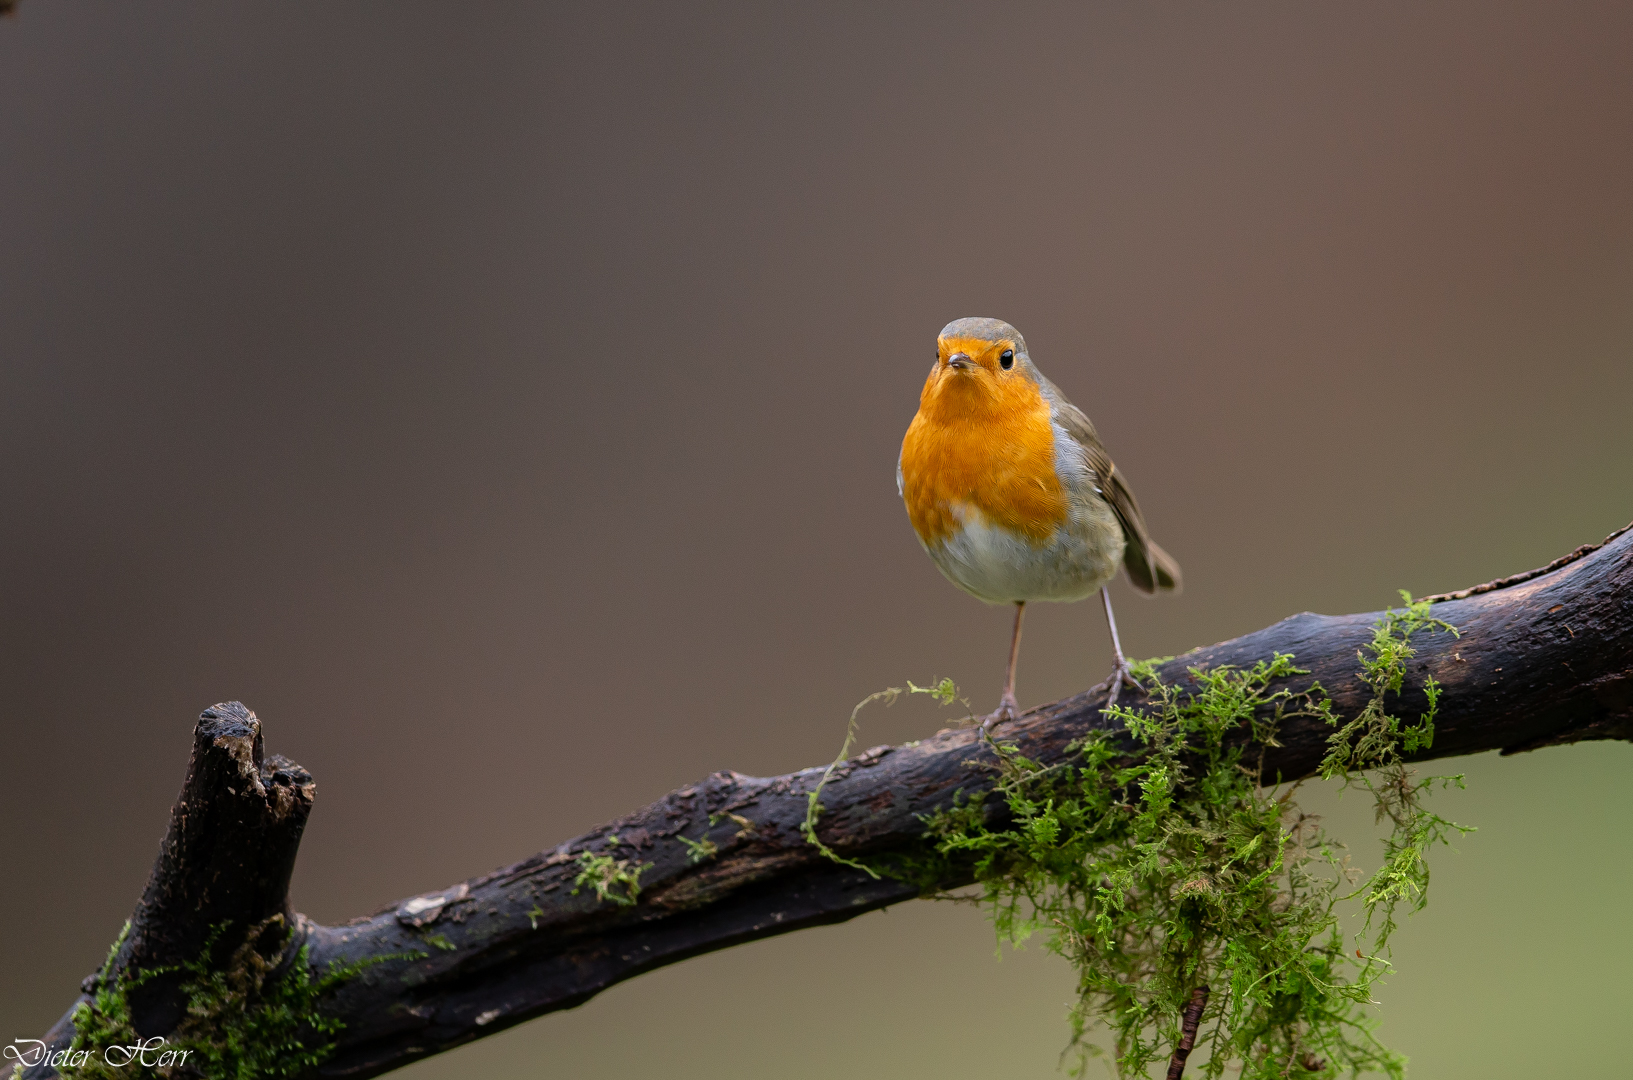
point(982, 440)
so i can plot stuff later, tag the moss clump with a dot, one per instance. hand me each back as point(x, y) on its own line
point(243, 1021)
point(1366, 752)
point(1159, 876)
point(617, 880)
point(698, 851)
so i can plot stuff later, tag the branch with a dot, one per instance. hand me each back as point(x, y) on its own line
point(1544, 659)
point(1187, 1028)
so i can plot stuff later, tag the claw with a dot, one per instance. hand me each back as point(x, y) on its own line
point(1007, 710)
point(1121, 675)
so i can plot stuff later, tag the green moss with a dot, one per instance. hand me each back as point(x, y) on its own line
point(241, 1022)
point(942, 690)
point(441, 942)
point(617, 880)
point(1178, 870)
point(1366, 752)
point(699, 850)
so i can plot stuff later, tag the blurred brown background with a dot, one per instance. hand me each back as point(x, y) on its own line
point(503, 401)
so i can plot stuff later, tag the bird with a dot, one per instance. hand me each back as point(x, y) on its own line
point(1012, 494)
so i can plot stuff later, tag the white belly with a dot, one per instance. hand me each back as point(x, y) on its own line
point(999, 567)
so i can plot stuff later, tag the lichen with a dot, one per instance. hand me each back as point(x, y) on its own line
point(244, 1020)
point(1179, 867)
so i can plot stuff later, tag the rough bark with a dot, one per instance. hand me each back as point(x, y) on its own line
point(1544, 658)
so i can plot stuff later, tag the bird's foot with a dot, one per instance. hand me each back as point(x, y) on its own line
point(1007, 710)
point(1122, 675)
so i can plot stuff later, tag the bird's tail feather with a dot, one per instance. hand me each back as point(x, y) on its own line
point(1151, 569)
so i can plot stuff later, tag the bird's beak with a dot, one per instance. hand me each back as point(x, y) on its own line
point(961, 361)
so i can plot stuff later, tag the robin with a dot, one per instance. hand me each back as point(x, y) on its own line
point(1012, 494)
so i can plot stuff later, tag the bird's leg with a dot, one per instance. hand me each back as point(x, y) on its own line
point(1121, 675)
point(1007, 708)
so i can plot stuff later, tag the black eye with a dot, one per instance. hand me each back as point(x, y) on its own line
point(1006, 359)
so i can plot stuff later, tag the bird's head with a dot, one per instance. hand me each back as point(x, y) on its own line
point(980, 347)
point(980, 360)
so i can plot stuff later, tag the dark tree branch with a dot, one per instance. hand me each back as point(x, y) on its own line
point(1187, 1032)
point(1544, 659)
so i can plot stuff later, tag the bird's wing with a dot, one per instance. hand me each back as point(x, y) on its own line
point(1149, 567)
